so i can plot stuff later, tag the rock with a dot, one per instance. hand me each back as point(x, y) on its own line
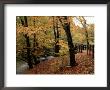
point(50, 57)
point(22, 68)
point(42, 58)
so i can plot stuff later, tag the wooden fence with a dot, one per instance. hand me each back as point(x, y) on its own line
point(80, 47)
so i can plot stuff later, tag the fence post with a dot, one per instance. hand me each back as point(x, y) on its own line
point(89, 49)
point(93, 51)
point(81, 46)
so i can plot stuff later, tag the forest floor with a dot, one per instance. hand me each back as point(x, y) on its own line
point(59, 65)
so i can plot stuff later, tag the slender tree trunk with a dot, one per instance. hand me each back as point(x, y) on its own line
point(84, 25)
point(34, 45)
point(25, 24)
point(54, 27)
point(28, 52)
point(86, 33)
point(66, 27)
point(87, 41)
point(57, 41)
point(56, 34)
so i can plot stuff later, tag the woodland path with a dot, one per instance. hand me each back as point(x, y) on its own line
point(59, 65)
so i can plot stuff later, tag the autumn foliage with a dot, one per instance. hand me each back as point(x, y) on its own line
point(68, 39)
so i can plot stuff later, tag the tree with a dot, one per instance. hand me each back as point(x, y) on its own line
point(84, 24)
point(56, 34)
point(66, 26)
point(25, 24)
point(34, 45)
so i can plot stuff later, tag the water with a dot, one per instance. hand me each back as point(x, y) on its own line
point(21, 68)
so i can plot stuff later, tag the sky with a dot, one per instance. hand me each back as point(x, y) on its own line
point(89, 20)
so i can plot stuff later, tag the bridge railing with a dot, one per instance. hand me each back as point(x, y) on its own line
point(79, 48)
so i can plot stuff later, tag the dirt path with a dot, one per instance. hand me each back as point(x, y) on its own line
point(85, 65)
point(58, 65)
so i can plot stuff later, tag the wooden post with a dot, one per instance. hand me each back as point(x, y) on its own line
point(93, 51)
point(81, 48)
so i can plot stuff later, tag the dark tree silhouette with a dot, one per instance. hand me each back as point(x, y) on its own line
point(25, 24)
point(66, 26)
point(56, 34)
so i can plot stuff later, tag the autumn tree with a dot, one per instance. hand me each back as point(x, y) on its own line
point(84, 24)
point(56, 34)
point(25, 24)
point(35, 43)
point(66, 26)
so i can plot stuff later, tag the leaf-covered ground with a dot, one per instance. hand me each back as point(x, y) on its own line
point(59, 65)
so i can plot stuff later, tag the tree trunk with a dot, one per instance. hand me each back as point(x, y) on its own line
point(70, 44)
point(66, 27)
point(28, 52)
point(84, 25)
point(34, 45)
point(57, 48)
point(87, 41)
point(86, 33)
point(25, 24)
point(56, 34)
